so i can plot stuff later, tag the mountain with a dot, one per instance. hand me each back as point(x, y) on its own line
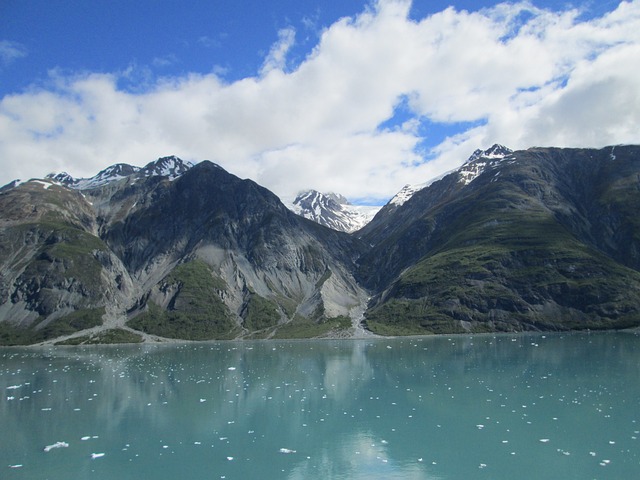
point(332, 210)
point(171, 167)
point(190, 253)
point(540, 239)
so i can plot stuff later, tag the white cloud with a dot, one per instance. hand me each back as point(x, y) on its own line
point(10, 51)
point(277, 57)
point(521, 76)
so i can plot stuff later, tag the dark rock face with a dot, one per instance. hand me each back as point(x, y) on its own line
point(538, 239)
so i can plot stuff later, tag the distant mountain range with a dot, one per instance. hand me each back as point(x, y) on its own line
point(540, 239)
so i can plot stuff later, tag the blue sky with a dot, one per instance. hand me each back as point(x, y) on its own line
point(357, 97)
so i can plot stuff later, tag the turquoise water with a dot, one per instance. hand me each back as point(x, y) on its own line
point(460, 407)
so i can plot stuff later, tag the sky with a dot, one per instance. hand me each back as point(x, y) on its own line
point(354, 97)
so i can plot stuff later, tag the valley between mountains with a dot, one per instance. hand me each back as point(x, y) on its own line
point(544, 239)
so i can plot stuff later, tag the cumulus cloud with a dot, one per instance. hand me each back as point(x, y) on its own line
point(512, 74)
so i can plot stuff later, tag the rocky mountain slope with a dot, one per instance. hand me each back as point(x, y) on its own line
point(333, 211)
point(172, 250)
point(539, 239)
point(542, 239)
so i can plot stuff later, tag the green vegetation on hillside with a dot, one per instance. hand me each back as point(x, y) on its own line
point(196, 312)
point(503, 271)
point(260, 313)
point(75, 321)
point(305, 328)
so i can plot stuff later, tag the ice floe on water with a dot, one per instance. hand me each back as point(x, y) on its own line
point(53, 446)
point(371, 411)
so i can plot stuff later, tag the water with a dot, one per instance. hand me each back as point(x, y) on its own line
point(460, 407)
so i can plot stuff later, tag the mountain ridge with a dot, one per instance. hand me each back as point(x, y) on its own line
point(539, 239)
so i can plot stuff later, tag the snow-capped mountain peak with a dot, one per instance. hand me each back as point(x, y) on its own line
point(409, 191)
point(170, 166)
point(480, 160)
point(471, 169)
point(62, 178)
point(108, 175)
point(495, 151)
point(332, 210)
point(406, 193)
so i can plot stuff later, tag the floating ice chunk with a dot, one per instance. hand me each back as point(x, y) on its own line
point(230, 458)
point(286, 450)
point(97, 455)
point(48, 448)
point(231, 368)
point(13, 387)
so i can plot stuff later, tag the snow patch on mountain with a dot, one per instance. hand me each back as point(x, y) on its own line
point(332, 210)
point(171, 167)
point(469, 171)
point(480, 160)
point(407, 192)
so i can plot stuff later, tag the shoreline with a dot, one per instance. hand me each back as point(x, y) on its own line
point(154, 340)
